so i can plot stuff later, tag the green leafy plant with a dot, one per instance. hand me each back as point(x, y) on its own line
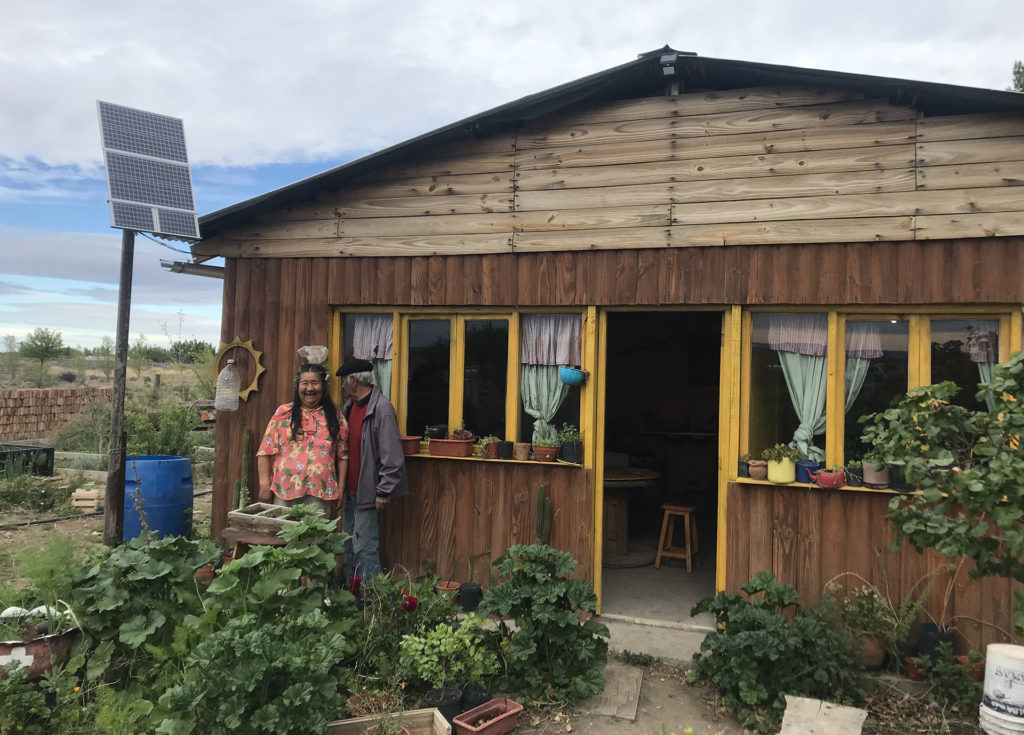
point(447, 654)
point(540, 441)
point(276, 676)
point(780, 452)
point(953, 684)
point(557, 652)
point(967, 465)
point(757, 655)
point(24, 709)
point(568, 434)
point(168, 431)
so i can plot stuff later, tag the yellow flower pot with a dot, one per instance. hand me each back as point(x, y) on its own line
point(783, 471)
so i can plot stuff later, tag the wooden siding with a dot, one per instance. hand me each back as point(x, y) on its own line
point(743, 167)
point(807, 537)
point(460, 510)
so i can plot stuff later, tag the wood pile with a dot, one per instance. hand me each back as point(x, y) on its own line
point(35, 412)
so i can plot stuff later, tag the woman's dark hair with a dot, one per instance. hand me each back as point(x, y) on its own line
point(330, 410)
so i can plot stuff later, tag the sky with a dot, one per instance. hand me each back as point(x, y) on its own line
point(272, 92)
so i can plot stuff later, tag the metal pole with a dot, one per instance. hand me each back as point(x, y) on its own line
point(113, 516)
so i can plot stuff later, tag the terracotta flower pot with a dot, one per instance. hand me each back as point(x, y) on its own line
point(913, 673)
point(758, 469)
point(204, 574)
point(977, 669)
point(448, 590)
point(411, 444)
point(491, 718)
point(874, 651)
point(491, 450)
point(545, 454)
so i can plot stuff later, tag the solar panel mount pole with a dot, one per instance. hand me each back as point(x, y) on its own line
point(113, 508)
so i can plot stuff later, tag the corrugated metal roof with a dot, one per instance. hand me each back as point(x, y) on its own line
point(647, 74)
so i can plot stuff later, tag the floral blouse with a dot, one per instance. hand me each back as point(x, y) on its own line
point(306, 465)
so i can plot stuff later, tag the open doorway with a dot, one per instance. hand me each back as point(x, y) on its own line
point(661, 447)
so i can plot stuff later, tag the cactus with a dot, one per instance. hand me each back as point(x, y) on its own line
point(543, 515)
point(242, 486)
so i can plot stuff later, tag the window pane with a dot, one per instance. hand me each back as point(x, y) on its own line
point(787, 347)
point(876, 371)
point(964, 350)
point(486, 377)
point(369, 337)
point(429, 352)
point(547, 341)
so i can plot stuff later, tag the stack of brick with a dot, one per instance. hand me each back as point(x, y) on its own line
point(30, 413)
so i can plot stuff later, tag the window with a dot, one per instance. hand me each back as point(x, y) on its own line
point(370, 337)
point(964, 351)
point(875, 372)
point(427, 386)
point(485, 376)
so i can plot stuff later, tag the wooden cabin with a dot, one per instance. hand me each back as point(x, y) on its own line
point(695, 233)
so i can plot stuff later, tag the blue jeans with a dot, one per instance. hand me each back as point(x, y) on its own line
point(361, 555)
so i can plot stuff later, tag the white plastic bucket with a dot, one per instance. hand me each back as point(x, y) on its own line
point(1002, 704)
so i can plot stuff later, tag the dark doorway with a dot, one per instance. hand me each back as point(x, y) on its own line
point(661, 426)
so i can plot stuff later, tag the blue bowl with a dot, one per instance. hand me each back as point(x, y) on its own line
point(571, 376)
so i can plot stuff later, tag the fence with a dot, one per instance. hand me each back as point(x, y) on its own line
point(31, 413)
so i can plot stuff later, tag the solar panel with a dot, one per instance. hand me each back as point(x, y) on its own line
point(148, 178)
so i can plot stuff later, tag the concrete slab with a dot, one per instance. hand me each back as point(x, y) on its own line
point(813, 717)
point(621, 695)
point(673, 644)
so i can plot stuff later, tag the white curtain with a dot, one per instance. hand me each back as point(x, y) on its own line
point(545, 342)
point(863, 343)
point(801, 341)
point(373, 340)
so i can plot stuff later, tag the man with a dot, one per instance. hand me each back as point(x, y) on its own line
point(376, 466)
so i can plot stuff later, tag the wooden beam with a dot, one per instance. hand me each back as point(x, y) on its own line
point(959, 152)
point(971, 175)
point(964, 127)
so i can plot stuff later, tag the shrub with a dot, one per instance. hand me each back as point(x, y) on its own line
point(447, 654)
point(553, 654)
point(168, 431)
point(757, 656)
point(953, 684)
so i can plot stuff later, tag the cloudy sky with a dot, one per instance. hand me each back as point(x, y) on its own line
point(272, 92)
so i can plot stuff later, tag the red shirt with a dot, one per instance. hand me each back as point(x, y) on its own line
point(355, 436)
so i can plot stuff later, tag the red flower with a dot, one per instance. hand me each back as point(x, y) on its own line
point(409, 603)
point(354, 585)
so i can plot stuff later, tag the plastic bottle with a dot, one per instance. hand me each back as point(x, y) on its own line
point(228, 385)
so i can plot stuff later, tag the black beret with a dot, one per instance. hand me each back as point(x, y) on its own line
point(355, 365)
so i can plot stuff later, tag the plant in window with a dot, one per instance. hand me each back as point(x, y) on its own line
point(569, 433)
point(542, 442)
point(780, 453)
point(968, 466)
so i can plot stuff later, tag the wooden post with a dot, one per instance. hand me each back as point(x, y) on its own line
point(113, 509)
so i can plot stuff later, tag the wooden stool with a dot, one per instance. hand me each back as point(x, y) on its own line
point(691, 545)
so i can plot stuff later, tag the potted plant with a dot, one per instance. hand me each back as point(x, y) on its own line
point(490, 446)
point(444, 655)
point(833, 478)
point(505, 449)
point(490, 718)
point(876, 474)
point(470, 592)
point(521, 451)
point(758, 469)
point(460, 444)
point(571, 441)
point(781, 460)
point(866, 611)
point(854, 473)
point(743, 468)
point(545, 450)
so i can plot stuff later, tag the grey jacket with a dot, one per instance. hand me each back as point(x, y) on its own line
point(381, 460)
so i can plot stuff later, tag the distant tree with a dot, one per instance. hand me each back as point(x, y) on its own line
point(79, 358)
point(42, 344)
point(137, 355)
point(1018, 77)
point(11, 358)
point(105, 357)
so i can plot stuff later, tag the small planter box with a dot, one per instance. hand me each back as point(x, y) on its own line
point(501, 715)
point(30, 458)
point(417, 721)
point(260, 518)
point(37, 653)
point(451, 447)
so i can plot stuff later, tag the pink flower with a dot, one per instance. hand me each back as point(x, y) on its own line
point(409, 603)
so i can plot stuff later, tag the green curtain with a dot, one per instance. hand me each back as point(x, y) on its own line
point(985, 375)
point(542, 392)
point(856, 372)
point(806, 380)
point(382, 376)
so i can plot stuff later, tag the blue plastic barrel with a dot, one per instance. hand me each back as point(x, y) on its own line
point(165, 484)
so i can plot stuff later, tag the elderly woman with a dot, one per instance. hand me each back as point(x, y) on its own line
point(304, 454)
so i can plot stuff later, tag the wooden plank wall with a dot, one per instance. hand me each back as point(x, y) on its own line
point(752, 166)
point(807, 537)
point(473, 510)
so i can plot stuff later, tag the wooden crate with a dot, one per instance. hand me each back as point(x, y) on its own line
point(260, 518)
point(88, 498)
point(418, 721)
